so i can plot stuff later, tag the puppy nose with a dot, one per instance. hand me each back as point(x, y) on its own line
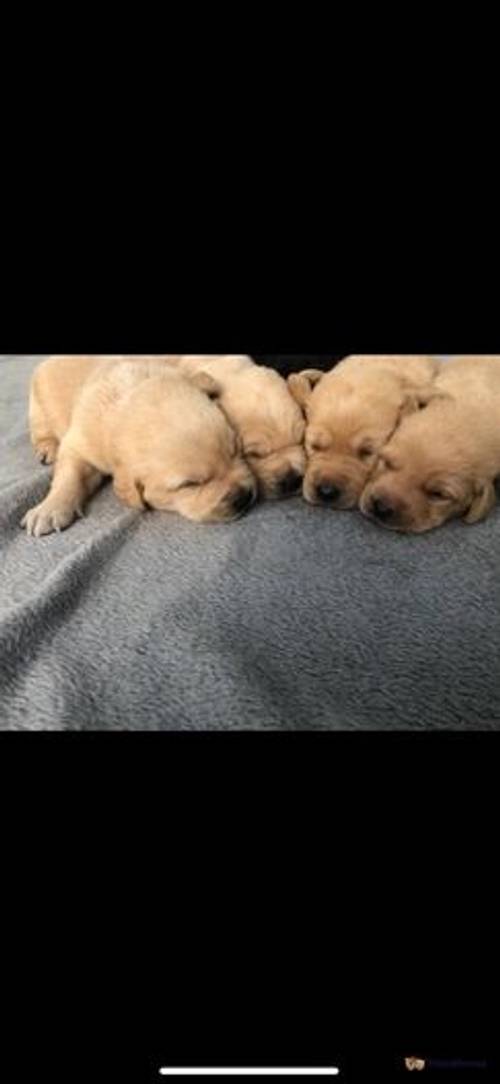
point(290, 483)
point(381, 509)
point(242, 500)
point(327, 491)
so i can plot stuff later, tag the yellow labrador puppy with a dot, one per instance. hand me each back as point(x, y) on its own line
point(351, 413)
point(159, 434)
point(442, 462)
point(269, 422)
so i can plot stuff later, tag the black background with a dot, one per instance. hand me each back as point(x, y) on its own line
point(178, 899)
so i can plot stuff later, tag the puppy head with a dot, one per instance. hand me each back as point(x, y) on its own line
point(174, 450)
point(271, 427)
point(424, 478)
point(348, 422)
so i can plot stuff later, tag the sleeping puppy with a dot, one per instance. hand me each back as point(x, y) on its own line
point(351, 413)
point(269, 422)
point(159, 434)
point(442, 462)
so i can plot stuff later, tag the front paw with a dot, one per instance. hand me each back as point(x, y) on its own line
point(46, 450)
point(47, 517)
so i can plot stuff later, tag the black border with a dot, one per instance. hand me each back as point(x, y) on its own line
point(247, 897)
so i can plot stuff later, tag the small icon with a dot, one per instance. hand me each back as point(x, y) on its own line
point(415, 1063)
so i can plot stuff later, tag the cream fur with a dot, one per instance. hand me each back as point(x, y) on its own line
point(442, 462)
point(158, 433)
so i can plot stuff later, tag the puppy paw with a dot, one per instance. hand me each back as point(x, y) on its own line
point(46, 450)
point(48, 517)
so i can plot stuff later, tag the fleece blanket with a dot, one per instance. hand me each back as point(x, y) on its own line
point(293, 618)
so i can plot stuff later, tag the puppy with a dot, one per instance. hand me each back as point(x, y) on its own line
point(269, 422)
point(351, 413)
point(442, 462)
point(159, 434)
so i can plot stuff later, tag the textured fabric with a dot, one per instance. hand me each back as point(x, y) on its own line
point(292, 618)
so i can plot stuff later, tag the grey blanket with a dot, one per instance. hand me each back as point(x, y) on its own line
point(292, 618)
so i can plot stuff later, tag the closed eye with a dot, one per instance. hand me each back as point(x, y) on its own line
point(366, 451)
point(256, 453)
point(191, 483)
point(436, 494)
point(317, 445)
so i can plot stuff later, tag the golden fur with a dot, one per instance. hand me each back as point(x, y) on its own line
point(158, 433)
point(442, 462)
point(351, 412)
point(269, 422)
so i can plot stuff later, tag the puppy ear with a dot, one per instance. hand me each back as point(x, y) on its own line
point(301, 384)
point(417, 398)
point(207, 384)
point(483, 502)
point(128, 489)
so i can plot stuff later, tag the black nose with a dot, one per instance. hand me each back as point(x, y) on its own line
point(290, 483)
point(381, 509)
point(242, 500)
point(327, 491)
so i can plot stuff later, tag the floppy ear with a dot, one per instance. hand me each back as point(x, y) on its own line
point(417, 398)
point(301, 384)
point(483, 502)
point(128, 489)
point(207, 384)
